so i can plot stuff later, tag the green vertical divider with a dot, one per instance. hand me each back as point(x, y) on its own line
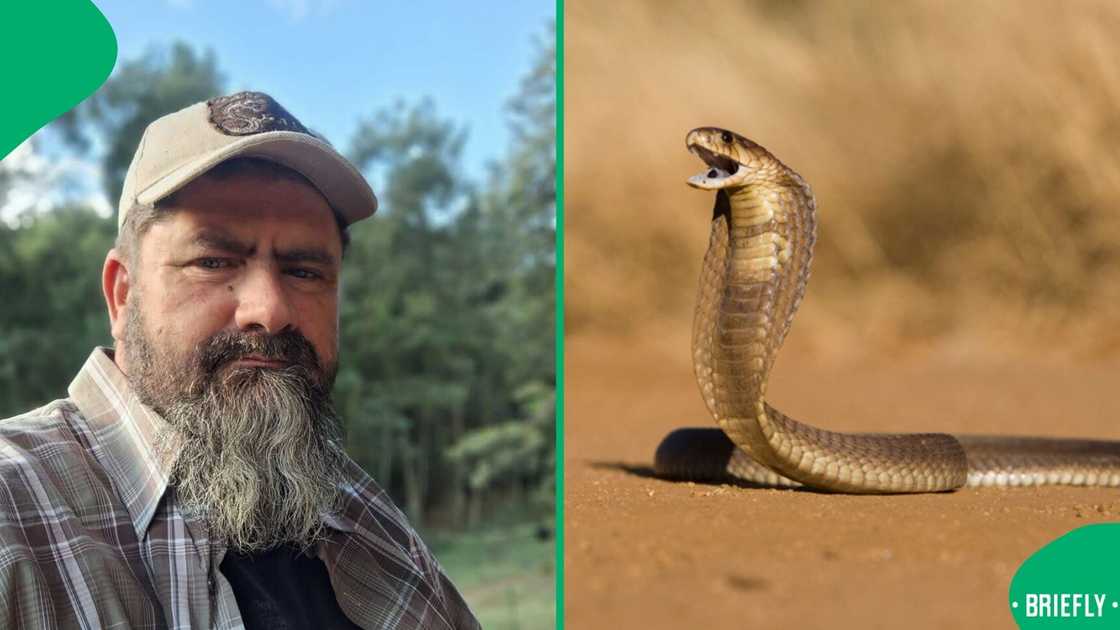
point(559, 314)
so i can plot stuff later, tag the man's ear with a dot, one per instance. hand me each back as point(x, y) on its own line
point(116, 284)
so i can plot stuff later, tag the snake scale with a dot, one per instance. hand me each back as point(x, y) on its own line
point(753, 278)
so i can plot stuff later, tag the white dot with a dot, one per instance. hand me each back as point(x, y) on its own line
point(1014, 604)
point(1114, 604)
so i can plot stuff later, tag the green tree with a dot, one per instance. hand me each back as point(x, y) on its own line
point(406, 378)
point(515, 233)
point(448, 385)
point(50, 261)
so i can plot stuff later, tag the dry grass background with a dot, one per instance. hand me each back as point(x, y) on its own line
point(965, 158)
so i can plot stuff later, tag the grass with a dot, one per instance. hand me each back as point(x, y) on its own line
point(506, 573)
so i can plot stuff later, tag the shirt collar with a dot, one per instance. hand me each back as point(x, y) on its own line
point(125, 433)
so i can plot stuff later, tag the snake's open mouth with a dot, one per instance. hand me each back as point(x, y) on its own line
point(720, 168)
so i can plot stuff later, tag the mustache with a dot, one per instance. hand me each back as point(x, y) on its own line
point(288, 346)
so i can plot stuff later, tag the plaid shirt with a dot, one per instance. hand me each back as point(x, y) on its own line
point(92, 536)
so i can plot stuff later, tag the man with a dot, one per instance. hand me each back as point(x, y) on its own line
point(194, 476)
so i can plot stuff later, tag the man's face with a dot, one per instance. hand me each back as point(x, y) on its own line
point(245, 254)
point(230, 331)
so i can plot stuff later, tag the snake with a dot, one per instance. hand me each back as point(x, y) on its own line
point(753, 278)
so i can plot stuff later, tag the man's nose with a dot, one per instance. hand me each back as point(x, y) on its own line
point(262, 302)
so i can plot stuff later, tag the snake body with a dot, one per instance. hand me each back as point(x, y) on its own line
point(754, 275)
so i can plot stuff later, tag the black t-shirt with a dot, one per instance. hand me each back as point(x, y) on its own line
point(283, 589)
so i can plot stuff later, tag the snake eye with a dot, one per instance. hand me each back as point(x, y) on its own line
point(726, 137)
point(713, 173)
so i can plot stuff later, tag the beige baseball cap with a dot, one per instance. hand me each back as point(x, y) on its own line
point(179, 147)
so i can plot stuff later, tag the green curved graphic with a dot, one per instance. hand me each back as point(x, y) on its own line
point(1073, 582)
point(53, 54)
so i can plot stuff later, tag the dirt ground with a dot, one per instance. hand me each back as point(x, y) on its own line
point(641, 552)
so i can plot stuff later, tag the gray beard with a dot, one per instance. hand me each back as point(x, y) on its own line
point(257, 451)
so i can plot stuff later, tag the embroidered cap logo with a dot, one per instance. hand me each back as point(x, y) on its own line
point(247, 113)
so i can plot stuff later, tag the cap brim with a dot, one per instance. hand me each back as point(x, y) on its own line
point(344, 188)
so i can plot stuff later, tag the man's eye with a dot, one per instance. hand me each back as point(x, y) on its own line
point(212, 263)
point(304, 274)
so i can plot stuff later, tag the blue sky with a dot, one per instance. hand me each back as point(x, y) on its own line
point(332, 62)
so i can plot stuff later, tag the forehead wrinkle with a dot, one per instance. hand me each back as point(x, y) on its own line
point(211, 237)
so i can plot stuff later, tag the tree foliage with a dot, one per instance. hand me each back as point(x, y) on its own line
point(54, 313)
